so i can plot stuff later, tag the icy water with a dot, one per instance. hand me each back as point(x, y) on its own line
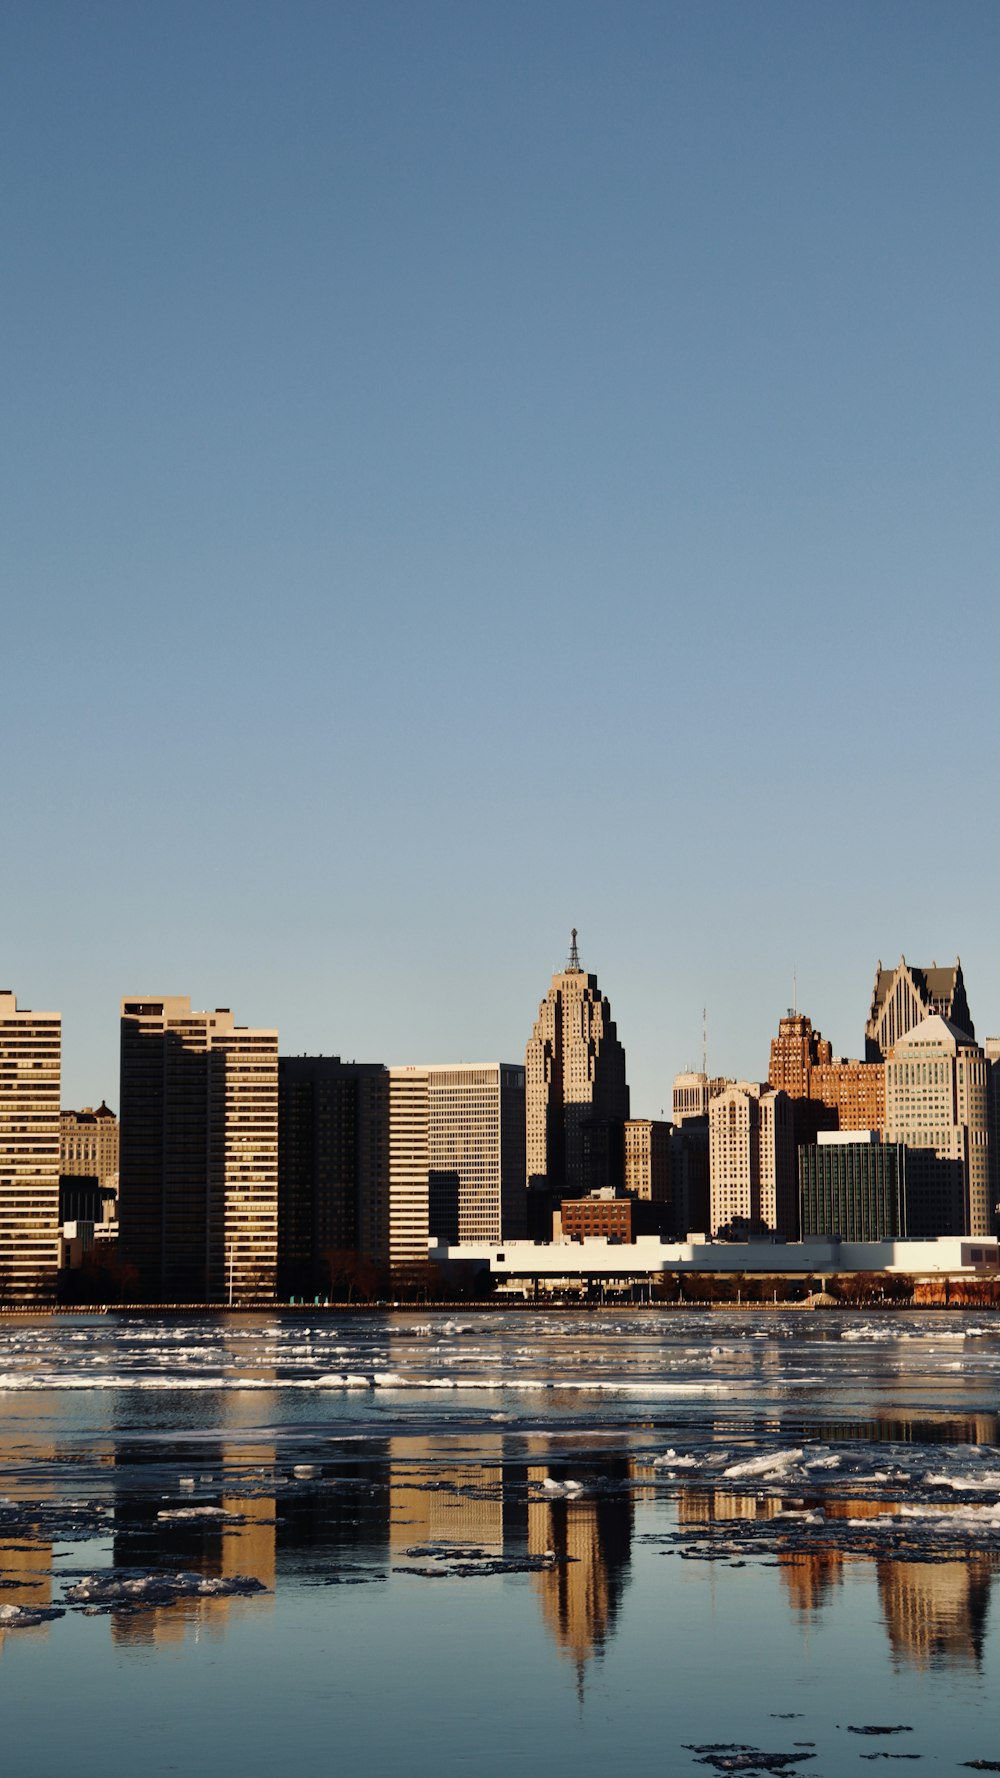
point(675, 1542)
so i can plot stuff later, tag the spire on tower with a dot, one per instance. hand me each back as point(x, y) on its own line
point(574, 955)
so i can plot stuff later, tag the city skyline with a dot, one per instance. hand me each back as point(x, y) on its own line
point(83, 1084)
point(475, 474)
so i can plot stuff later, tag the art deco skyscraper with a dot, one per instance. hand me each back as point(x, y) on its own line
point(903, 997)
point(30, 1050)
point(198, 1193)
point(577, 1099)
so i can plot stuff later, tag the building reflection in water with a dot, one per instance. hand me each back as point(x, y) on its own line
point(25, 1567)
point(935, 1611)
point(590, 1534)
point(231, 1473)
point(379, 1500)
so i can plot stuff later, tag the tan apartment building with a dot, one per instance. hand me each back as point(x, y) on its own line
point(198, 1181)
point(406, 1233)
point(574, 1083)
point(456, 1156)
point(752, 1161)
point(647, 1159)
point(936, 1103)
point(30, 1061)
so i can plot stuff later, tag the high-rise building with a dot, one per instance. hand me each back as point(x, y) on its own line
point(198, 1183)
point(406, 1226)
point(803, 1065)
point(752, 1171)
point(30, 1056)
point(855, 1091)
point(577, 1098)
point(692, 1094)
point(476, 1151)
point(333, 1162)
point(88, 1165)
point(991, 1048)
point(795, 1052)
point(936, 1103)
point(456, 1156)
point(903, 997)
point(854, 1186)
point(647, 1159)
point(88, 1145)
point(689, 1177)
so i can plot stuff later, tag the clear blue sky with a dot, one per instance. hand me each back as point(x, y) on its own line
point(472, 469)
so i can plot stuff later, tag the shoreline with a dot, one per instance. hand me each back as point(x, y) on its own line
point(22, 1311)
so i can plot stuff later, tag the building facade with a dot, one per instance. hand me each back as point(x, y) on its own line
point(198, 1180)
point(936, 1103)
point(803, 1065)
point(88, 1145)
point(991, 1049)
point(692, 1093)
point(333, 1160)
point(30, 1063)
point(903, 997)
point(647, 1159)
point(477, 1151)
point(456, 1156)
point(752, 1171)
point(852, 1186)
point(690, 1195)
point(575, 1085)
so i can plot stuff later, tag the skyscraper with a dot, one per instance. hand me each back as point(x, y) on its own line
point(30, 1056)
point(198, 1189)
point(333, 1161)
point(904, 996)
point(577, 1099)
point(936, 1103)
point(752, 1161)
point(803, 1065)
point(456, 1156)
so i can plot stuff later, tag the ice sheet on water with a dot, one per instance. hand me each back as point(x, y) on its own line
point(153, 1587)
point(26, 1617)
point(771, 1463)
point(673, 1461)
point(218, 1513)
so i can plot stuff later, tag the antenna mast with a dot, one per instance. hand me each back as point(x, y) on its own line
point(574, 955)
point(704, 1041)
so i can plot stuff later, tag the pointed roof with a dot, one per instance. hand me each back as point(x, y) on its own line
point(934, 1032)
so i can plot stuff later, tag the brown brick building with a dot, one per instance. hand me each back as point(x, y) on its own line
point(803, 1065)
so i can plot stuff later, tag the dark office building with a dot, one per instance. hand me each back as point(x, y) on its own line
point(856, 1190)
point(333, 1164)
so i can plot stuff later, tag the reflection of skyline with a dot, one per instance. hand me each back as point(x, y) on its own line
point(369, 1505)
point(25, 1568)
point(934, 1611)
point(591, 1536)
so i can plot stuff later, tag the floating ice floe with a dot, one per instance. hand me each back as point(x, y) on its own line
point(201, 1512)
point(131, 1587)
point(772, 1463)
point(25, 1617)
point(671, 1460)
point(569, 1486)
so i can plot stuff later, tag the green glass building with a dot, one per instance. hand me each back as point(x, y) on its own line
point(854, 1189)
